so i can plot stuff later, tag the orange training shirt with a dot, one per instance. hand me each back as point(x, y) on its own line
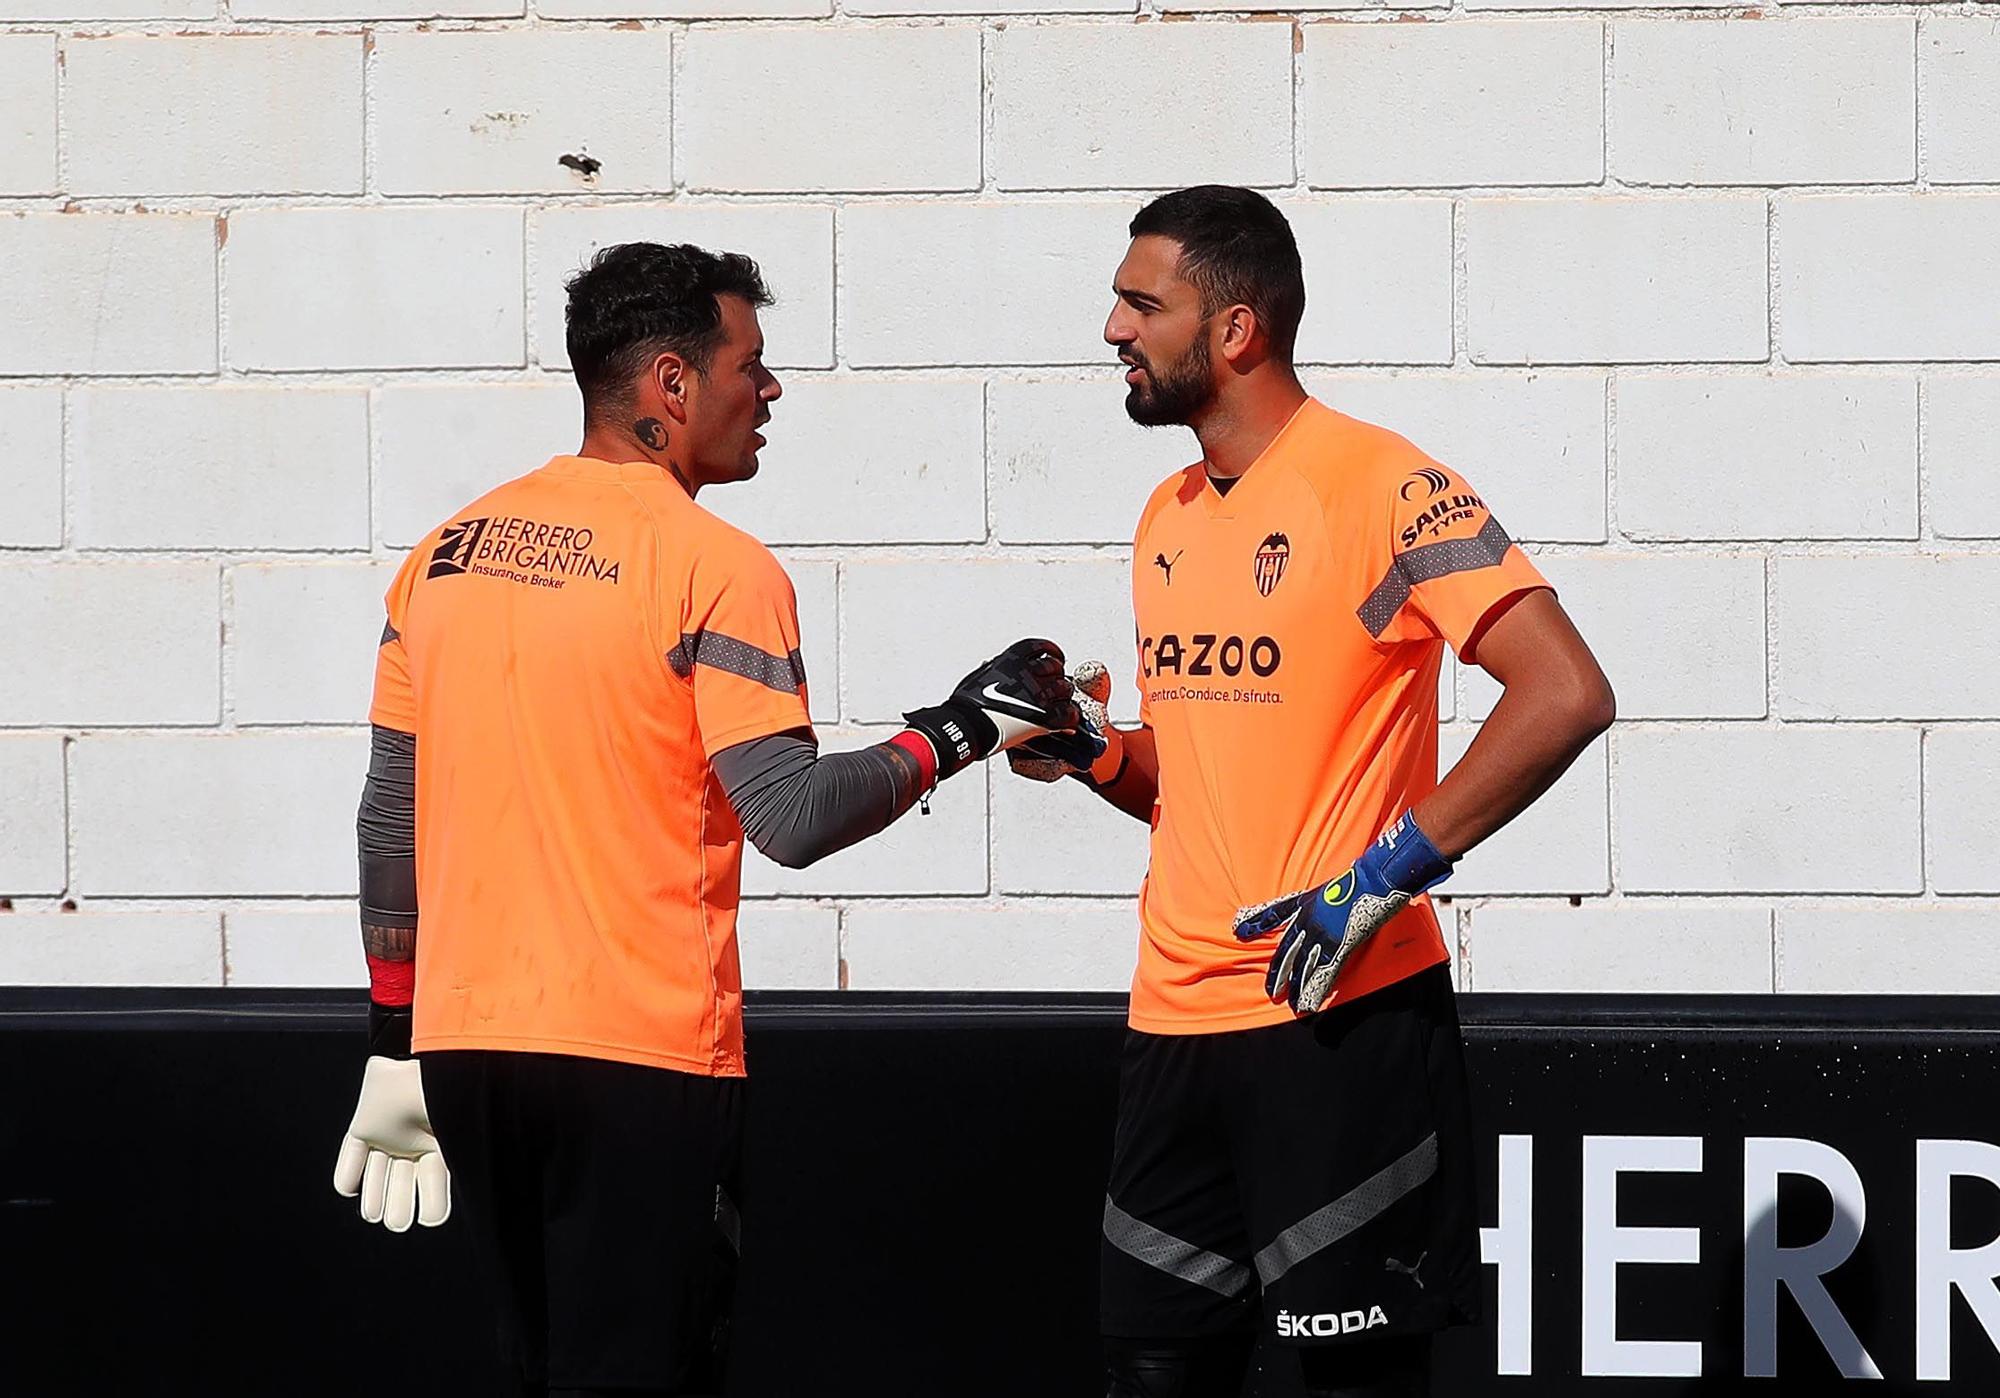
point(570, 650)
point(1290, 635)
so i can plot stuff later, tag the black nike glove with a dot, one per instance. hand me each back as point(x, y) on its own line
point(1020, 694)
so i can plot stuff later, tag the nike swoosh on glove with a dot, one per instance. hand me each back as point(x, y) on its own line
point(1094, 751)
point(1319, 928)
point(1020, 694)
point(390, 1157)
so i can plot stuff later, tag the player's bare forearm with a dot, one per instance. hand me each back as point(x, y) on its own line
point(1137, 785)
point(1556, 702)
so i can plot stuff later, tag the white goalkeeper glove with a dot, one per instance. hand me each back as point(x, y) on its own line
point(1057, 755)
point(390, 1158)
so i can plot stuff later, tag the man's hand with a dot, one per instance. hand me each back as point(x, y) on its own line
point(390, 1158)
point(1094, 750)
point(1321, 927)
point(1020, 694)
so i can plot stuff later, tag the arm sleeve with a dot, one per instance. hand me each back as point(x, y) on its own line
point(739, 647)
point(798, 807)
point(386, 831)
point(1447, 567)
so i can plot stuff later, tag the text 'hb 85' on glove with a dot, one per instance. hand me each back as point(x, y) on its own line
point(1020, 694)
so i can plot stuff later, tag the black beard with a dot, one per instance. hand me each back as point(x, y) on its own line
point(1177, 396)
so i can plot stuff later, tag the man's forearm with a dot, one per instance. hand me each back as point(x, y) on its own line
point(797, 807)
point(386, 838)
point(1556, 701)
point(1524, 746)
point(1135, 787)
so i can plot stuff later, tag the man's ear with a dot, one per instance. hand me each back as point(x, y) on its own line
point(670, 380)
point(1240, 332)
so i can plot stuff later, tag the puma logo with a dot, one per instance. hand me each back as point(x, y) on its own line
point(1166, 564)
point(1390, 1264)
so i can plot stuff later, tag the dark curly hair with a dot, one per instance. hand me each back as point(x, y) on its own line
point(637, 300)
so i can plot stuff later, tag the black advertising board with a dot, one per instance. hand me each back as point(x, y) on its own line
point(1680, 1196)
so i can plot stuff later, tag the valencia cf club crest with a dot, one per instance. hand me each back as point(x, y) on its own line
point(1272, 555)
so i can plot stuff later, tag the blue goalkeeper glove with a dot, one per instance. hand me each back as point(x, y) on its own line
point(1321, 927)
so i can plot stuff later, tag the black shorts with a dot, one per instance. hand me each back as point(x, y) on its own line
point(1312, 1181)
point(602, 1204)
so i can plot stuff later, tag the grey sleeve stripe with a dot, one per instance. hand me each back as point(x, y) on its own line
point(1420, 565)
point(783, 673)
point(389, 633)
point(1323, 1228)
point(1171, 1255)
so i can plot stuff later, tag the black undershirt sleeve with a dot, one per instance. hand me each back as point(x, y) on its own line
point(798, 807)
point(386, 833)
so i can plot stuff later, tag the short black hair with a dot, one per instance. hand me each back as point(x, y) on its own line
point(1236, 248)
point(637, 300)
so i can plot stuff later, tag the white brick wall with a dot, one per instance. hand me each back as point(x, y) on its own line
point(792, 243)
point(116, 948)
point(1647, 616)
point(816, 584)
point(1912, 950)
point(1438, 105)
point(1533, 443)
point(1888, 277)
point(31, 475)
point(1058, 125)
point(1704, 305)
point(853, 109)
point(1063, 839)
point(1959, 64)
point(87, 643)
point(147, 281)
point(33, 814)
point(1007, 944)
point(223, 468)
point(832, 474)
point(1764, 102)
point(1629, 946)
point(440, 445)
point(1962, 809)
point(1064, 463)
point(469, 113)
point(1378, 280)
point(1875, 637)
point(898, 654)
point(1704, 457)
point(1962, 456)
point(27, 114)
point(375, 288)
point(217, 815)
point(163, 115)
point(299, 637)
point(1619, 281)
point(988, 274)
point(1561, 844)
point(1796, 809)
point(305, 945)
point(789, 946)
